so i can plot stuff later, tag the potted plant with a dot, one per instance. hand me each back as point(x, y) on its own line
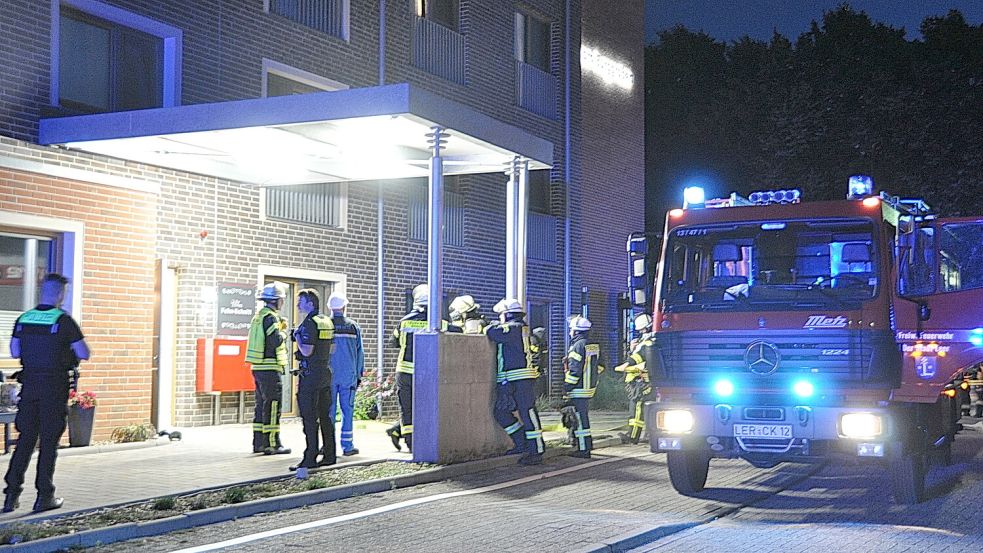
point(81, 413)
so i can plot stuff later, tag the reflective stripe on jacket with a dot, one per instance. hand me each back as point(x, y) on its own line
point(266, 348)
point(580, 373)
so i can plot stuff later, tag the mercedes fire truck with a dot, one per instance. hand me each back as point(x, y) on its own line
point(791, 331)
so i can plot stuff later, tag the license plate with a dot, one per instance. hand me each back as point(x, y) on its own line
point(777, 431)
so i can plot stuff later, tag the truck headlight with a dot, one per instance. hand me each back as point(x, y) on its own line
point(674, 421)
point(861, 425)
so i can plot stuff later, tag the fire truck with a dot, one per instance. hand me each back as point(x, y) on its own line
point(792, 331)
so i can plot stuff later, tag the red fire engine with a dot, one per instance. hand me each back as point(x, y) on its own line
point(788, 331)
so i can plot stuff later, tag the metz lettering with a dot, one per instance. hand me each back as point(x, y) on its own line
point(822, 321)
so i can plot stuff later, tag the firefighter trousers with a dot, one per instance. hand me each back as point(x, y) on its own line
point(266, 416)
point(582, 435)
point(519, 396)
point(404, 394)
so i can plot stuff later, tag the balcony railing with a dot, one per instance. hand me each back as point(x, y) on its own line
point(438, 50)
point(536, 89)
point(327, 16)
point(541, 241)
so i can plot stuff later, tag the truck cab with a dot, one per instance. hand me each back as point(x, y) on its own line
point(790, 331)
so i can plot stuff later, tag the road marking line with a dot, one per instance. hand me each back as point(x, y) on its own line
point(395, 506)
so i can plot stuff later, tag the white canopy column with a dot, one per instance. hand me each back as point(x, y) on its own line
point(516, 225)
point(435, 227)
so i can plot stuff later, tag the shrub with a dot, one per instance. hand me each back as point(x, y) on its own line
point(610, 394)
point(133, 433)
point(368, 394)
point(235, 495)
point(164, 503)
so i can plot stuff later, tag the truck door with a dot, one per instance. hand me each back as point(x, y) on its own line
point(940, 309)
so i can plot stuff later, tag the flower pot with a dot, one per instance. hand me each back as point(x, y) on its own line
point(80, 425)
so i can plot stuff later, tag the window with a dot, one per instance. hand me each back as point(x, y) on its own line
point(918, 264)
point(961, 256)
point(283, 80)
point(539, 192)
point(532, 41)
point(24, 260)
point(327, 16)
point(111, 60)
point(277, 85)
point(418, 207)
point(320, 205)
point(444, 12)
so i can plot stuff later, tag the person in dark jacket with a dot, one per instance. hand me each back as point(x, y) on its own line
point(516, 382)
point(581, 371)
point(48, 343)
point(315, 339)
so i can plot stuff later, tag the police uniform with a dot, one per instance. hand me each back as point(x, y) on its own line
point(46, 335)
point(266, 351)
point(516, 387)
point(347, 364)
point(314, 389)
point(637, 385)
point(579, 384)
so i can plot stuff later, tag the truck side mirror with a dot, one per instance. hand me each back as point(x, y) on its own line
point(924, 312)
point(638, 278)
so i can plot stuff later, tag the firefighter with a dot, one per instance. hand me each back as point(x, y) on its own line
point(347, 364)
point(314, 338)
point(266, 351)
point(516, 382)
point(539, 350)
point(48, 342)
point(637, 382)
point(413, 322)
point(464, 315)
point(580, 381)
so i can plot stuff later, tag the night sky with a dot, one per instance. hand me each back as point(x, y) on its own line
point(731, 19)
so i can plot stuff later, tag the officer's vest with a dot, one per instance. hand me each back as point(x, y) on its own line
point(38, 343)
point(256, 345)
point(321, 356)
point(587, 384)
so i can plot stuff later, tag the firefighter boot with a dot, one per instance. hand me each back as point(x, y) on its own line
point(394, 435)
point(531, 459)
point(408, 438)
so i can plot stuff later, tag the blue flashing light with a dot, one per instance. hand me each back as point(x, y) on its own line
point(860, 186)
point(693, 196)
point(723, 388)
point(803, 388)
point(772, 226)
point(976, 337)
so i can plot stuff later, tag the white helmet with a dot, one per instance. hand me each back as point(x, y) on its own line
point(463, 304)
point(421, 295)
point(579, 323)
point(643, 321)
point(508, 305)
point(337, 301)
point(273, 291)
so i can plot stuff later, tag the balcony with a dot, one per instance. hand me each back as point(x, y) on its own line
point(536, 90)
point(438, 50)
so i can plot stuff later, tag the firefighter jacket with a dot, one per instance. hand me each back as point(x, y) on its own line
point(634, 366)
point(266, 348)
point(348, 359)
point(414, 321)
point(514, 357)
point(582, 367)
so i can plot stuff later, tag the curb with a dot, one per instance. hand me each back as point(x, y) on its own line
point(133, 530)
point(109, 448)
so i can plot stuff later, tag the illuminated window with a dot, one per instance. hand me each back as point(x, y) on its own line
point(24, 260)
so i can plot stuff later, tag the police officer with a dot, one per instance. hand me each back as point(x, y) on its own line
point(266, 351)
point(48, 343)
point(413, 322)
point(314, 337)
point(347, 364)
point(465, 316)
point(516, 382)
point(581, 370)
point(637, 382)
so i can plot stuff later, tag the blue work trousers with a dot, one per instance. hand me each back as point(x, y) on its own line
point(343, 396)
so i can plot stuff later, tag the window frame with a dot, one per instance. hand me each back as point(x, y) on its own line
point(521, 39)
point(171, 39)
point(422, 9)
point(292, 73)
point(342, 209)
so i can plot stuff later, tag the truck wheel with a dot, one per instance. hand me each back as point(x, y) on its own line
point(688, 470)
point(908, 476)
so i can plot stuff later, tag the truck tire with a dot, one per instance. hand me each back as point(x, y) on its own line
point(688, 471)
point(908, 477)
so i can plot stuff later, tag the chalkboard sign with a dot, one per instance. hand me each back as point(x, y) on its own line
point(236, 307)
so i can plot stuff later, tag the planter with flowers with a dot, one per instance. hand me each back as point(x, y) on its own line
point(81, 414)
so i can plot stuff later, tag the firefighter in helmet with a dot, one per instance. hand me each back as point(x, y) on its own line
point(516, 382)
point(464, 315)
point(637, 382)
point(580, 375)
point(266, 351)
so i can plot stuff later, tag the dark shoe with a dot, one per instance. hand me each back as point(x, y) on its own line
point(625, 438)
point(581, 454)
point(293, 468)
point(47, 504)
point(326, 462)
point(350, 452)
point(394, 436)
point(259, 449)
point(516, 450)
point(531, 459)
point(11, 503)
point(280, 450)
point(409, 442)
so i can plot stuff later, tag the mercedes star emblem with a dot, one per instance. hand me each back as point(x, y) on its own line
point(762, 357)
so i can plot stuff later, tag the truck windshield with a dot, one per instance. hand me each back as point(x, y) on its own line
point(770, 265)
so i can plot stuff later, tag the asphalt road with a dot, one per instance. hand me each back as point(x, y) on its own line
point(577, 505)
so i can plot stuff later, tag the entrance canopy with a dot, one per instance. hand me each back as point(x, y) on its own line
point(346, 135)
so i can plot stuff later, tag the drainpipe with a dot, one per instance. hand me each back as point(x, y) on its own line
point(567, 284)
point(382, 42)
point(380, 300)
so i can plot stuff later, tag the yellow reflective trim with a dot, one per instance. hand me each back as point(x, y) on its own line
point(571, 379)
point(406, 429)
point(576, 356)
point(413, 324)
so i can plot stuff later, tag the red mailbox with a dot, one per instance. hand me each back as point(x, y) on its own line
point(222, 366)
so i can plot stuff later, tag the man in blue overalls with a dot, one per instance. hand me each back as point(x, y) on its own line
point(347, 363)
point(47, 341)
